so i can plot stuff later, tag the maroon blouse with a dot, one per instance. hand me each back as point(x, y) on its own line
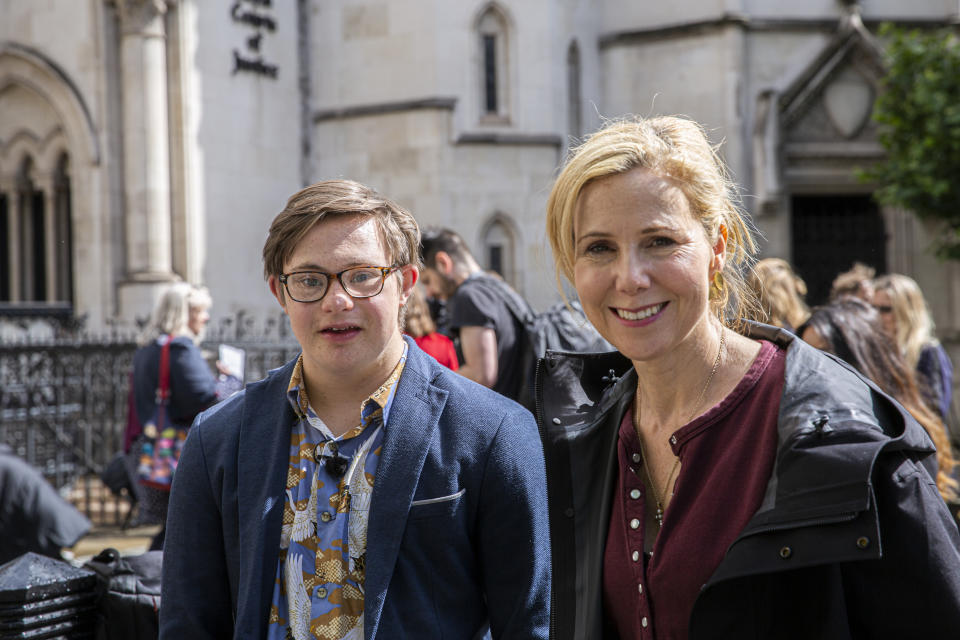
point(726, 457)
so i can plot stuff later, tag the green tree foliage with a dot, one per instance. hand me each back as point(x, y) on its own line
point(918, 113)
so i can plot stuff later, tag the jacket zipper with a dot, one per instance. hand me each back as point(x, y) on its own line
point(538, 406)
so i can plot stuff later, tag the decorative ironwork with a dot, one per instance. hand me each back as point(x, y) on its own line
point(63, 400)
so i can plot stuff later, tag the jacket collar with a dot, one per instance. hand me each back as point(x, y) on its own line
point(413, 420)
point(263, 455)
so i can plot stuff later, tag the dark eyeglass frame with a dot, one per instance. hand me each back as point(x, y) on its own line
point(883, 308)
point(384, 272)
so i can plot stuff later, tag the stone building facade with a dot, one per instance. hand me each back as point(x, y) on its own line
point(144, 141)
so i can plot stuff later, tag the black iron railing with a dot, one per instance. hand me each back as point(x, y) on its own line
point(63, 402)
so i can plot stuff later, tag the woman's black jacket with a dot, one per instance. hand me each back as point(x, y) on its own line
point(852, 539)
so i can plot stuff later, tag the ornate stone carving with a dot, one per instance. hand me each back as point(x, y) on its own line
point(140, 16)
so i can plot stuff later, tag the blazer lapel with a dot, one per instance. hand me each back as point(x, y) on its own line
point(413, 419)
point(262, 458)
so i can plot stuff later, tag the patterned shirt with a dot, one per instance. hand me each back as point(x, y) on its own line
point(318, 590)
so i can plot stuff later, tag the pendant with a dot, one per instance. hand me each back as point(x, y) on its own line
point(659, 515)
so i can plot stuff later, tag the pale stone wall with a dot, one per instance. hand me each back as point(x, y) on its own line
point(234, 140)
point(245, 130)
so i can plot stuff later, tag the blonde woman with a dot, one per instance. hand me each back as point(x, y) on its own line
point(715, 478)
point(179, 318)
point(907, 319)
point(780, 292)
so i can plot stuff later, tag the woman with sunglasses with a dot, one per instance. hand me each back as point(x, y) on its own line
point(907, 320)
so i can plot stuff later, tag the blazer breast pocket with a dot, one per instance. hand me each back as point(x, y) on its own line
point(442, 506)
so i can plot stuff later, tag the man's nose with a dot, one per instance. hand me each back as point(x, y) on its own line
point(336, 297)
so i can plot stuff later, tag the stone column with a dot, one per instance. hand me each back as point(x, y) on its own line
point(12, 249)
point(50, 237)
point(146, 155)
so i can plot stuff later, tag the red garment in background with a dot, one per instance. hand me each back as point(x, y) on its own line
point(440, 347)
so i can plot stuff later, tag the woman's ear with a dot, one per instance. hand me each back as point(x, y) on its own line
point(720, 248)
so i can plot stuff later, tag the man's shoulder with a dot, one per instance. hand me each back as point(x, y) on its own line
point(462, 393)
point(226, 415)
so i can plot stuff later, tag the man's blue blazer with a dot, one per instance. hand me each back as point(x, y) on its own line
point(458, 539)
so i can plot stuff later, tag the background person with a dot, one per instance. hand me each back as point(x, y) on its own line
point(489, 335)
point(419, 325)
point(906, 317)
point(33, 516)
point(180, 316)
point(780, 293)
point(858, 281)
point(362, 490)
point(685, 470)
point(852, 330)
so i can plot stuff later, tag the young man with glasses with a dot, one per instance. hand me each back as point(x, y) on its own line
point(362, 490)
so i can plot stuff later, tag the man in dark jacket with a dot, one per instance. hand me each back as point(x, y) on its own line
point(33, 516)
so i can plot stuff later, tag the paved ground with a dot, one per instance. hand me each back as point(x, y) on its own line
point(106, 512)
point(129, 542)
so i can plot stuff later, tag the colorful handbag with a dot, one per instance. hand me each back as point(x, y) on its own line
point(162, 440)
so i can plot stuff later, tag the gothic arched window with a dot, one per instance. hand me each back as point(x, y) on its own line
point(499, 248)
point(574, 92)
point(493, 47)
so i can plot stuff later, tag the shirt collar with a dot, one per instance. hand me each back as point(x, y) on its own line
point(382, 397)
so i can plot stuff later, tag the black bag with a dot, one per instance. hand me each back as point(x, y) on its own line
point(115, 477)
point(128, 601)
point(562, 327)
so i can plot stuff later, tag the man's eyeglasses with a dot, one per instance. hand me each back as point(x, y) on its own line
point(358, 282)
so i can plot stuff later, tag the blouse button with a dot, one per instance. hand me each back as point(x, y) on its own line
point(635, 457)
point(636, 556)
point(635, 493)
point(643, 622)
point(639, 588)
point(634, 524)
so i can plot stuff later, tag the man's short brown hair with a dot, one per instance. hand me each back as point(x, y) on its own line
point(398, 228)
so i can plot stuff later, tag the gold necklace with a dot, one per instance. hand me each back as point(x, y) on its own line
point(661, 497)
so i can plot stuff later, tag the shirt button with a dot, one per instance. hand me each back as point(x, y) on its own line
point(326, 517)
point(321, 592)
point(636, 457)
point(635, 493)
point(635, 555)
point(643, 622)
point(634, 524)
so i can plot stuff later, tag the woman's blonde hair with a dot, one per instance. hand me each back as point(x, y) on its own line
point(780, 292)
point(672, 147)
point(171, 314)
point(418, 321)
point(915, 328)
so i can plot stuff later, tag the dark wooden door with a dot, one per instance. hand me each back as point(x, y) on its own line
point(830, 233)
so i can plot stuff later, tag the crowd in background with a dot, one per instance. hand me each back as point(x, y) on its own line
point(881, 326)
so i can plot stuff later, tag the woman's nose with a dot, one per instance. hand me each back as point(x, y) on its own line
point(633, 274)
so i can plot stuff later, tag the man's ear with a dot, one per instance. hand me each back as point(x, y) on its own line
point(276, 288)
point(444, 263)
point(409, 275)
